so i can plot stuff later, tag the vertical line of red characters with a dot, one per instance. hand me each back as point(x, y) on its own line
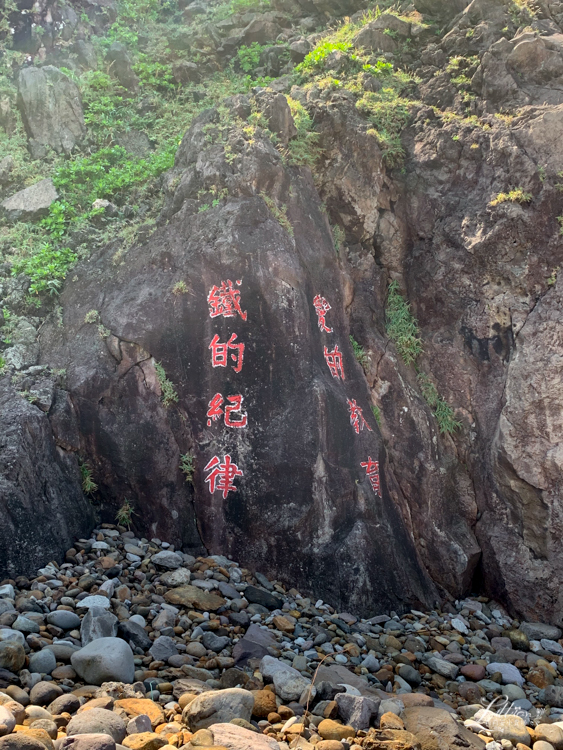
point(224, 301)
point(335, 362)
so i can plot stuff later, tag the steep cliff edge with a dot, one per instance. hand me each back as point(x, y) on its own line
point(424, 139)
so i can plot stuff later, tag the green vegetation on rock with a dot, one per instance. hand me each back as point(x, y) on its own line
point(168, 394)
point(442, 410)
point(402, 326)
point(359, 352)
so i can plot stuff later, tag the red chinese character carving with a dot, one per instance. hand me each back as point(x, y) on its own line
point(214, 411)
point(322, 307)
point(222, 475)
point(219, 352)
point(235, 408)
point(372, 470)
point(225, 300)
point(334, 362)
point(357, 418)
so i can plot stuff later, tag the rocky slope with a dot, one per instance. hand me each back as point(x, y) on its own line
point(131, 643)
point(392, 177)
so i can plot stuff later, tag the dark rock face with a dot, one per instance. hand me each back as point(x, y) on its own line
point(295, 446)
point(41, 502)
point(485, 500)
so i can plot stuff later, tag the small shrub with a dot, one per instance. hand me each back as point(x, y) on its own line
point(552, 279)
point(168, 392)
point(125, 514)
point(359, 352)
point(2, 364)
point(377, 414)
point(443, 412)
point(187, 466)
point(514, 196)
point(402, 326)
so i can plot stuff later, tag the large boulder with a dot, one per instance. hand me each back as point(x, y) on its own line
point(246, 338)
point(97, 721)
point(218, 706)
point(234, 737)
point(31, 203)
point(104, 660)
point(42, 505)
point(51, 110)
point(97, 623)
point(436, 729)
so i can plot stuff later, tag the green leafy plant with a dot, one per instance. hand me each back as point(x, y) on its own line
point(315, 59)
point(401, 325)
point(124, 515)
point(443, 412)
point(2, 364)
point(359, 352)
point(168, 392)
point(377, 414)
point(109, 173)
point(517, 195)
point(92, 316)
point(88, 484)
point(248, 56)
point(187, 466)
point(379, 68)
point(47, 268)
point(56, 222)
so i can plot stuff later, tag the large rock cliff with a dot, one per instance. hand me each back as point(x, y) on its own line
point(412, 159)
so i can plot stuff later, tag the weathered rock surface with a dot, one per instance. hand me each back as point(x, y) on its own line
point(41, 501)
point(51, 110)
point(30, 204)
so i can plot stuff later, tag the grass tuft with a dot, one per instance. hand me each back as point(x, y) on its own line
point(187, 466)
point(168, 392)
point(517, 195)
point(359, 353)
point(402, 326)
point(443, 412)
point(124, 515)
